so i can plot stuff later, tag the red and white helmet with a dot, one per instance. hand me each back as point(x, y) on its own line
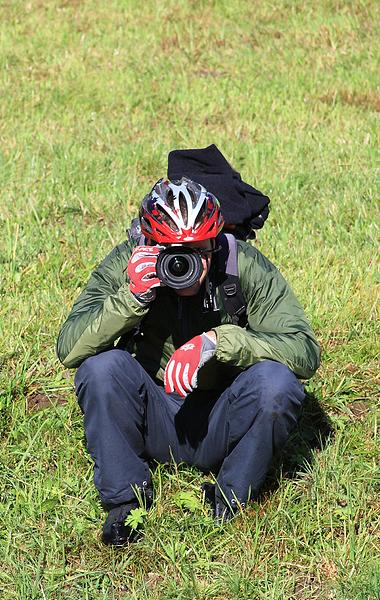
point(180, 211)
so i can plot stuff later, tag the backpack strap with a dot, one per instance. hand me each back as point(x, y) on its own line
point(230, 288)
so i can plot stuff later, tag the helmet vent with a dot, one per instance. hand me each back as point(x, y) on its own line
point(166, 219)
point(200, 216)
point(183, 209)
point(170, 199)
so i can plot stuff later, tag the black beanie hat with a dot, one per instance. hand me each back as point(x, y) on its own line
point(241, 204)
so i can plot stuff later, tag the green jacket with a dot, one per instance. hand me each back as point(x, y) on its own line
point(106, 312)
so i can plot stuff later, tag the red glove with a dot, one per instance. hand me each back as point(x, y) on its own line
point(141, 271)
point(181, 373)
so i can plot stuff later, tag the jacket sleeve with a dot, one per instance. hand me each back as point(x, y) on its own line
point(104, 311)
point(277, 327)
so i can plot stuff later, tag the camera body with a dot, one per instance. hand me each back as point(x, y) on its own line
point(179, 267)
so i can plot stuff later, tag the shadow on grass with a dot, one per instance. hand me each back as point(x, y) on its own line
point(313, 432)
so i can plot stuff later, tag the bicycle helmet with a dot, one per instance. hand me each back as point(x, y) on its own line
point(180, 211)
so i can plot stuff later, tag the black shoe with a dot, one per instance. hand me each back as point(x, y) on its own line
point(145, 495)
point(221, 509)
point(115, 531)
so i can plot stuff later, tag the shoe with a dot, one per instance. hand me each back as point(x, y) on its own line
point(115, 531)
point(222, 511)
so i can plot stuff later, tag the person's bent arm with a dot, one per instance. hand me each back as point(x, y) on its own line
point(105, 310)
point(277, 327)
point(243, 348)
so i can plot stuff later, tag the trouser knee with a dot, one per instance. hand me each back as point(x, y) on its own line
point(271, 388)
point(102, 365)
point(280, 399)
point(280, 390)
point(105, 374)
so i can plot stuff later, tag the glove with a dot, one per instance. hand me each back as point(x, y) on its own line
point(141, 271)
point(181, 373)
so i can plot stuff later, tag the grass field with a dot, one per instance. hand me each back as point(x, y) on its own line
point(93, 95)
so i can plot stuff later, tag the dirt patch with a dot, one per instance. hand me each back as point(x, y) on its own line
point(368, 100)
point(71, 3)
point(211, 73)
point(308, 587)
point(328, 569)
point(358, 409)
point(334, 342)
point(38, 401)
point(153, 580)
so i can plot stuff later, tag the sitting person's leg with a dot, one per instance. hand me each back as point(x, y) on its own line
point(250, 422)
point(127, 419)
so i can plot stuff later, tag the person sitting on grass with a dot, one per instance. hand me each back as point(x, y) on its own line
point(166, 374)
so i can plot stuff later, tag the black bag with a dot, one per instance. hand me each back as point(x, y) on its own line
point(243, 207)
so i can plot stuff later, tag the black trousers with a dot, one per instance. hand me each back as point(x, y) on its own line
point(129, 419)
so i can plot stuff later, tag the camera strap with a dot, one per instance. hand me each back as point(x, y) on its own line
point(230, 288)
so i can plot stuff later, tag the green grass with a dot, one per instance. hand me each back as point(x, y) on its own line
point(93, 95)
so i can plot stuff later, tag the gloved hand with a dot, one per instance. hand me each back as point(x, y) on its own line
point(141, 271)
point(181, 373)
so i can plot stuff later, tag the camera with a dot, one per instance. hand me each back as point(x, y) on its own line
point(179, 267)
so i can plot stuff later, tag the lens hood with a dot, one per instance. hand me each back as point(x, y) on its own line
point(179, 267)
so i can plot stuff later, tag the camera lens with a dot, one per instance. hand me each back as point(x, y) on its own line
point(179, 267)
